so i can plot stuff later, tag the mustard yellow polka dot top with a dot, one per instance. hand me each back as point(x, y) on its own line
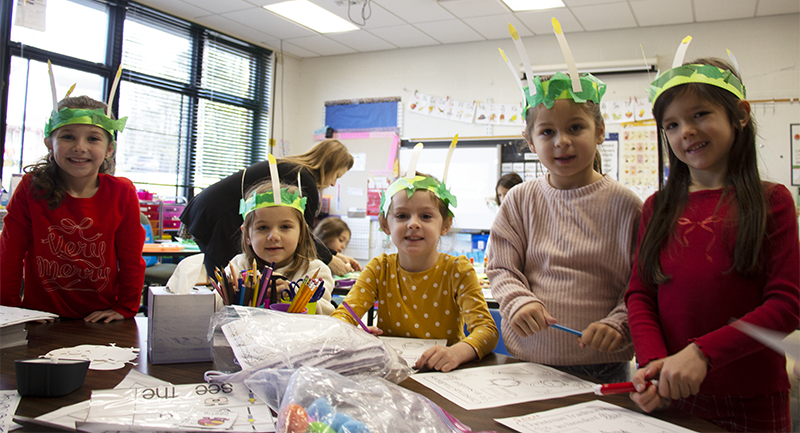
point(431, 304)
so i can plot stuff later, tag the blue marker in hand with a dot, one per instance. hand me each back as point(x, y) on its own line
point(565, 329)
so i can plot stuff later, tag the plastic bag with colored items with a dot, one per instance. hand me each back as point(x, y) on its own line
point(246, 340)
point(312, 400)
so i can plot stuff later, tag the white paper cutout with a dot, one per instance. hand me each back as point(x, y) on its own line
point(411, 349)
point(101, 357)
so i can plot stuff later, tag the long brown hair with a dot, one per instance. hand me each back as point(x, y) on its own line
point(46, 177)
point(324, 160)
point(743, 188)
point(305, 252)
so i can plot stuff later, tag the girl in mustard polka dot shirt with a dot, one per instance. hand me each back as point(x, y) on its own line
point(421, 292)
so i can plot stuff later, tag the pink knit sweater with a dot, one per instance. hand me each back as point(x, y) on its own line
point(571, 250)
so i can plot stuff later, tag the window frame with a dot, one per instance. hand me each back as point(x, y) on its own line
point(260, 104)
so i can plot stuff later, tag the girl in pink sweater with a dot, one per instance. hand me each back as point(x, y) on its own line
point(563, 244)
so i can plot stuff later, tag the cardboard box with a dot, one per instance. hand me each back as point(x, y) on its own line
point(177, 325)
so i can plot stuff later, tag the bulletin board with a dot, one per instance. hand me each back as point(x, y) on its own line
point(794, 133)
point(374, 154)
point(472, 176)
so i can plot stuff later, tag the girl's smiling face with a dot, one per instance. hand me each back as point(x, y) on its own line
point(79, 150)
point(566, 137)
point(274, 234)
point(415, 225)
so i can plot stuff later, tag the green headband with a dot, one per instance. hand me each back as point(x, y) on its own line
point(705, 74)
point(419, 183)
point(560, 87)
point(258, 201)
point(83, 116)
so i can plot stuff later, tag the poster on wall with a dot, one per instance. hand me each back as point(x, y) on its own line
point(642, 109)
point(442, 107)
point(794, 132)
point(609, 155)
point(638, 157)
point(499, 114)
point(614, 111)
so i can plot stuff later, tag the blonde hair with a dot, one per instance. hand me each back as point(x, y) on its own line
point(46, 178)
point(323, 160)
point(305, 252)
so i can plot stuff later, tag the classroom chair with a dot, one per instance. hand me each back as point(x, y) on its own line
point(501, 345)
point(156, 273)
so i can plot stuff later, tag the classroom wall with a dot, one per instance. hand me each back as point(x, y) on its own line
point(767, 48)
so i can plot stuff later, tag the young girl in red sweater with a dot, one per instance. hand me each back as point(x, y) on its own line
point(72, 238)
point(716, 244)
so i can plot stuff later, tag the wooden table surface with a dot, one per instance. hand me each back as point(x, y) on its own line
point(43, 338)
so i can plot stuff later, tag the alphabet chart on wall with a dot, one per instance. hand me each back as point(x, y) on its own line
point(203, 406)
point(638, 157)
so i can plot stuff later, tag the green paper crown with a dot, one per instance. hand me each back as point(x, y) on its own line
point(83, 116)
point(266, 199)
point(560, 87)
point(706, 74)
point(419, 183)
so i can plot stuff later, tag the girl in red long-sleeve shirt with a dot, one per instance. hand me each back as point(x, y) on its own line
point(72, 238)
point(716, 244)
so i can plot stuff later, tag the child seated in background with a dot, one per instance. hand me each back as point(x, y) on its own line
point(335, 234)
point(72, 234)
point(277, 233)
point(421, 292)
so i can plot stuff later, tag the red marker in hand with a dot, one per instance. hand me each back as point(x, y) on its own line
point(619, 388)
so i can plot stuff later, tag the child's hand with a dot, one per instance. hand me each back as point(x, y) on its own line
point(443, 358)
point(353, 263)
point(530, 319)
point(648, 400)
point(682, 373)
point(374, 330)
point(600, 337)
point(338, 267)
point(108, 315)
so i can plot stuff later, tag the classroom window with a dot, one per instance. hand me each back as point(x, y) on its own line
point(196, 100)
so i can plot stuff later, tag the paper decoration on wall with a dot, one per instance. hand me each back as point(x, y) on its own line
point(639, 158)
point(442, 107)
point(642, 109)
point(499, 114)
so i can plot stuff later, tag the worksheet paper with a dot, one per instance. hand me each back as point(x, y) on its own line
point(13, 315)
point(67, 416)
point(195, 407)
point(9, 400)
point(502, 385)
point(411, 349)
point(590, 417)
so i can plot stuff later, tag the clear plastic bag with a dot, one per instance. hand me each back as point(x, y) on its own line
point(321, 401)
point(250, 339)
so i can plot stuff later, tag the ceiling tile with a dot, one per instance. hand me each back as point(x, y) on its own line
point(653, 12)
point(267, 22)
point(219, 7)
point(415, 11)
point(605, 17)
point(405, 36)
point(294, 50)
point(575, 3)
point(377, 16)
point(450, 32)
point(540, 22)
point(473, 8)
point(777, 7)
point(496, 26)
point(177, 8)
point(717, 10)
point(322, 45)
point(232, 28)
point(361, 41)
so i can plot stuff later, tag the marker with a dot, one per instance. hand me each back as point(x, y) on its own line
point(619, 388)
point(355, 316)
point(565, 329)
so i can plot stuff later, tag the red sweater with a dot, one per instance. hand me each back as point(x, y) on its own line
point(84, 256)
point(701, 297)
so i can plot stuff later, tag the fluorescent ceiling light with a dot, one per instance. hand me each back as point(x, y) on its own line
point(533, 5)
point(310, 15)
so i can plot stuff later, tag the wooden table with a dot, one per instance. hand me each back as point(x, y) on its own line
point(43, 338)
